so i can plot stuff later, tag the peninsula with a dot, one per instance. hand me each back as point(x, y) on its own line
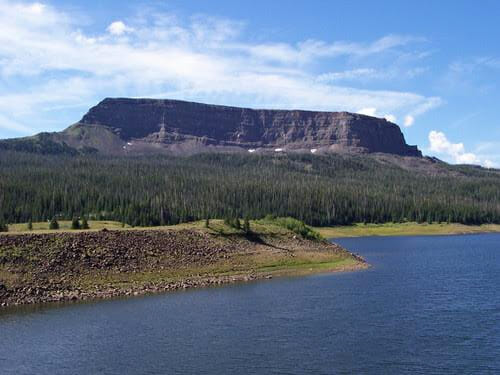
point(79, 265)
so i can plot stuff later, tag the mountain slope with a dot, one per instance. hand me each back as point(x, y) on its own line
point(328, 189)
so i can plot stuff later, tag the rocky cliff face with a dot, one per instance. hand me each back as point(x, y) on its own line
point(179, 125)
point(130, 126)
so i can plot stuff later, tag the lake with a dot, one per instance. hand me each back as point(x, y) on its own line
point(428, 305)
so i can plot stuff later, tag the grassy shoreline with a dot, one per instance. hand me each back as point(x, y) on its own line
point(405, 229)
point(262, 227)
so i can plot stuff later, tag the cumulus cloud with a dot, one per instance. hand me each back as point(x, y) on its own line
point(489, 164)
point(370, 111)
point(205, 59)
point(118, 28)
point(409, 120)
point(390, 118)
point(440, 144)
point(489, 152)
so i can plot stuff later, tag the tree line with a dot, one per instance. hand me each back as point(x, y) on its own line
point(317, 189)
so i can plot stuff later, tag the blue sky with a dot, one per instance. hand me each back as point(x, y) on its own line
point(433, 67)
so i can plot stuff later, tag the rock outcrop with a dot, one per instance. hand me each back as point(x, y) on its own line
point(124, 126)
point(174, 122)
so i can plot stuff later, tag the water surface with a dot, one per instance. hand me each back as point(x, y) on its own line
point(428, 305)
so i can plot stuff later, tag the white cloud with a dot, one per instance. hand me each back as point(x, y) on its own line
point(36, 8)
point(308, 50)
point(390, 118)
point(489, 152)
point(489, 164)
point(349, 75)
point(440, 144)
point(8, 124)
point(408, 121)
point(118, 28)
point(470, 66)
point(205, 59)
point(391, 72)
point(368, 111)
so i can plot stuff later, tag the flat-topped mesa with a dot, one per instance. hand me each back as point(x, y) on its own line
point(194, 127)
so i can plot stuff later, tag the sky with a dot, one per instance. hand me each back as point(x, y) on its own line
point(432, 67)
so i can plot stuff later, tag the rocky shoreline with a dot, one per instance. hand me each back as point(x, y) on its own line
point(57, 267)
point(30, 294)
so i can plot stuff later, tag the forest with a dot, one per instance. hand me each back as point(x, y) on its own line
point(320, 190)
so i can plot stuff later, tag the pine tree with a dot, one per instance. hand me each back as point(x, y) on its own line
point(75, 224)
point(246, 225)
point(30, 225)
point(237, 224)
point(85, 224)
point(207, 222)
point(319, 190)
point(54, 225)
point(3, 226)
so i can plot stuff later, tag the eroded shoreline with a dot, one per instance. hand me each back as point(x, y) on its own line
point(57, 267)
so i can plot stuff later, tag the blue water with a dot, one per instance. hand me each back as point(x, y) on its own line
point(429, 305)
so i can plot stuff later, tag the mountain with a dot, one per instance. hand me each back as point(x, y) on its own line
point(141, 126)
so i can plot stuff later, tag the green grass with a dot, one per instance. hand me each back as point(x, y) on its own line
point(274, 226)
point(256, 263)
point(404, 229)
point(307, 265)
point(296, 226)
point(64, 226)
point(281, 226)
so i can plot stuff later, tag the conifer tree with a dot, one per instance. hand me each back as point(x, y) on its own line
point(53, 225)
point(85, 224)
point(30, 225)
point(246, 225)
point(75, 224)
point(3, 226)
point(237, 224)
